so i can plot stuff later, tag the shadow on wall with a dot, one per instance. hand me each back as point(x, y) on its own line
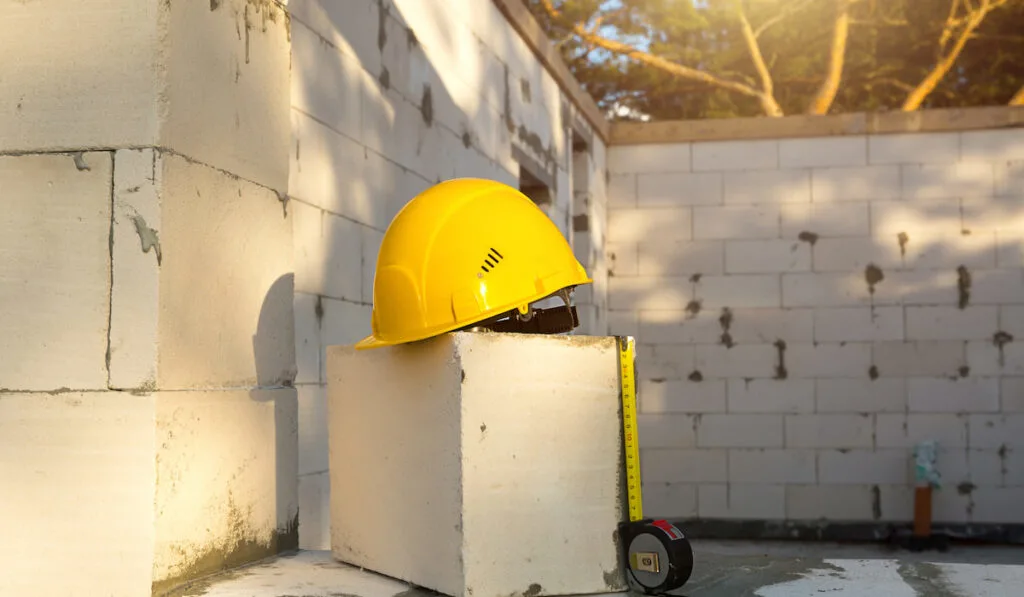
point(209, 432)
point(392, 97)
point(389, 98)
point(687, 271)
point(274, 344)
point(227, 461)
point(846, 314)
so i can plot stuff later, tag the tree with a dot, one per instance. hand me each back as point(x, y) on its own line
point(963, 20)
point(1018, 98)
point(720, 58)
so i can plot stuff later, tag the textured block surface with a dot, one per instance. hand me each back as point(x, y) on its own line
point(52, 97)
point(227, 490)
point(226, 93)
point(54, 271)
point(479, 464)
point(240, 234)
point(835, 300)
point(77, 494)
point(137, 256)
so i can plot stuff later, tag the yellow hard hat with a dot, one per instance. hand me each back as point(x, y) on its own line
point(470, 252)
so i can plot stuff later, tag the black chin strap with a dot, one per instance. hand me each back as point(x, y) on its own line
point(555, 320)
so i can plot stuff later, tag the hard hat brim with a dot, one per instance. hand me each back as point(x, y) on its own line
point(372, 341)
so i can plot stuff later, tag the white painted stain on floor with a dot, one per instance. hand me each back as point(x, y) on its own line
point(848, 578)
point(878, 578)
point(991, 580)
point(308, 573)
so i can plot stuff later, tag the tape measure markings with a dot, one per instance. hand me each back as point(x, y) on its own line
point(631, 444)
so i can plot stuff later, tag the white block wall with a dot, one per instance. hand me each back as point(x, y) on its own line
point(202, 227)
point(808, 309)
point(389, 98)
point(146, 282)
point(589, 231)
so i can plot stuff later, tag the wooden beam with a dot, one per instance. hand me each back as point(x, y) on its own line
point(788, 127)
point(518, 15)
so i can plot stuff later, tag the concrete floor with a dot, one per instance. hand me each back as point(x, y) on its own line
point(723, 569)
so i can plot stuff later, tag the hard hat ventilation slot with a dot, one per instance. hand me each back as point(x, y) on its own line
point(492, 259)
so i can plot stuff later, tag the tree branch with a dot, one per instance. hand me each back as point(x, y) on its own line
point(767, 97)
point(970, 21)
point(658, 62)
point(826, 94)
point(951, 23)
point(601, 18)
point(1018, 98)
point(782, 14)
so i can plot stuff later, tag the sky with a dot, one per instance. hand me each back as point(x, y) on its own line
point(640, 43)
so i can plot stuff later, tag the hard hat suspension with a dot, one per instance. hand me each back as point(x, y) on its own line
point(526, 319)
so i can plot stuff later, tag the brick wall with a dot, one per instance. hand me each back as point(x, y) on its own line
point(809, 308)
point(389, 98)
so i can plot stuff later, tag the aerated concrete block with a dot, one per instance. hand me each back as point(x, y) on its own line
point(226, 491)
point(226, 92)
point(85, 74)
point(77, 493)
point(479, 464)
point(227, 285)
point(54, 270)
point(136, 253)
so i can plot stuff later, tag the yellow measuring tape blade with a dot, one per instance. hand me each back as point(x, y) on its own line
point(631, 436)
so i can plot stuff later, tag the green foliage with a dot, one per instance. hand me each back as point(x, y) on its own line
point(892, 46)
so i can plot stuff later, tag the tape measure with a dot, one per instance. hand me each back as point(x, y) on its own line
point(656, 553)
point(630, 430)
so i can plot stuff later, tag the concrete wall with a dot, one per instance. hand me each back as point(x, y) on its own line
point(147, 420)
point(387, 99)
point(193, 200)
point(809, 308)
